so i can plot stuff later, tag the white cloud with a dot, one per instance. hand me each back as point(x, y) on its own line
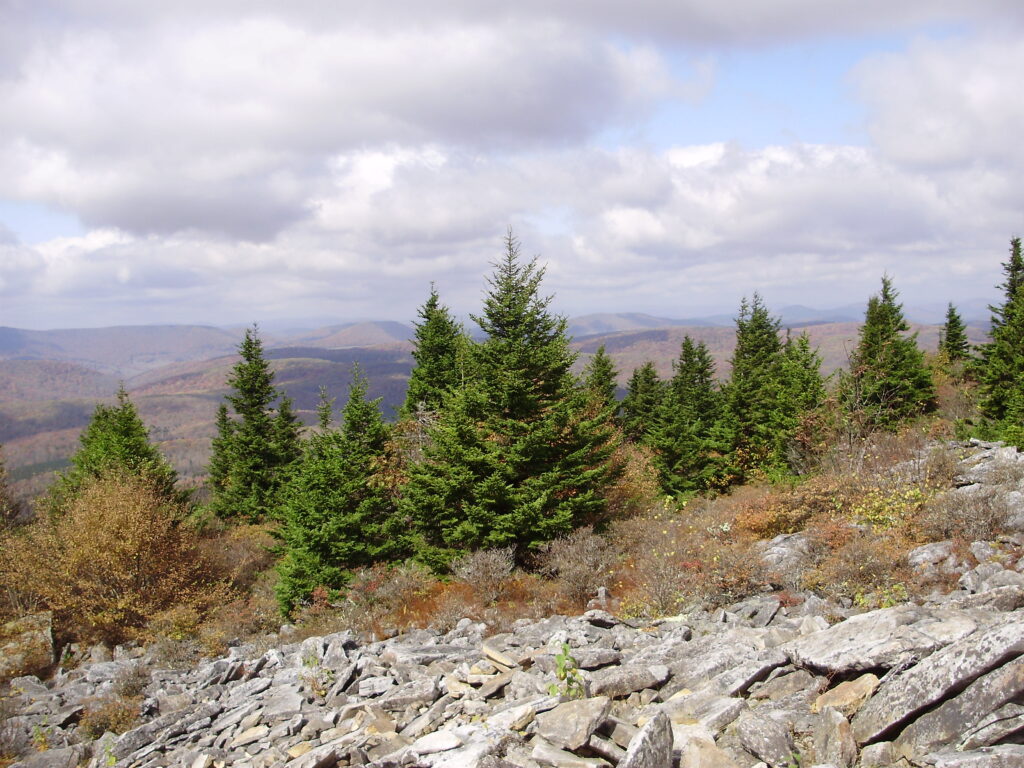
point(947, 103)
point(232, 159)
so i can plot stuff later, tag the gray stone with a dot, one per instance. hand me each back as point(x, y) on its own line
point(652, 746)
point(617, 682)
point(569, 725)
point(282, 704)
point(746, 673)
point(67, 757)
point(942, 726)
point(701, 753)
point(765, 738)
point(713, 711)
point(786, 685)
point(1004, 756)
point(878, 755)
point(787, 552)
point(833, 739)
point(594, 658)
point(548, 754)
point(934, 678)
point(375, 686)
point(417, 692)
point(996, 726)
point(884, 638)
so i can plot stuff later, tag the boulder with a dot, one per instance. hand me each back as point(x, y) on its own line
point(833, 739)
point(885, 638)
point(951, 669)
point(617, 682)
point(848, 696)
point(651, 747)
point(943, 725)
point(766, 739)
point(569, 725)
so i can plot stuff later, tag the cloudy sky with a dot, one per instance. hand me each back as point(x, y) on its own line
point(225, 161)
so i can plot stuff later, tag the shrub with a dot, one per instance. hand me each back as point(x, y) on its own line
point(486, 570)
point(635, 489)
point(581, 561)
point(113, 713)
point(977, 516)
point(861, 563)
point(377, 599)
point(114, 559)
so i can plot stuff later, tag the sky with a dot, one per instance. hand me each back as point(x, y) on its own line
point(317, 161)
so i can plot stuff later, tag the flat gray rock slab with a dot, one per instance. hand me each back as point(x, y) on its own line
point(833, 739)
point(1005, 756)
point(936, 677)
point(880, 639)
point(569, 725)
point(942, 726)
point(652, 746)
point(766, 739)
point(617, 682)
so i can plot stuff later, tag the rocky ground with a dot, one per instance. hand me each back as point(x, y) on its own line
point(765, 682)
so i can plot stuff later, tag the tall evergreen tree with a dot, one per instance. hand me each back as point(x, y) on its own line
point(253, 452)
point(684, 440)
point(888, 380)
point(754, 395)
point(599, 377)
point(116, 440)
point(1001, 367)
point(439, 354)
point(515, 457)
point(644, 394)
point(333, 516)
point(953, 337)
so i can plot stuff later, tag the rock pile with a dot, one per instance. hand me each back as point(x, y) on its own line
point(764, 682)
point(757, 684)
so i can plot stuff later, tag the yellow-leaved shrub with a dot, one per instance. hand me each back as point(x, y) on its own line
point(117, 556)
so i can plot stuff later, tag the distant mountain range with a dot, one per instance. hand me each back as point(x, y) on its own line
point(50, 381)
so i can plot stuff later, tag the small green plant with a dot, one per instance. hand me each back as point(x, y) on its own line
point(884, 597)
point(567, 670)
point(41, 736)
point(317, 678)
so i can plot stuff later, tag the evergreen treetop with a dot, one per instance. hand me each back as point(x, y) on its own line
point(1001, 374)
point(333, 516)
point(599, 377)
point(252, 453)
point(439, 355)
point(116, 440)
point(684, 438)
point(516, 457)
point(953, 337)
point(754, 396)
point(644, 393)
point(888, 381)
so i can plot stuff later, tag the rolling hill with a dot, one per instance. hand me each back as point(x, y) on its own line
point(44, 404)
